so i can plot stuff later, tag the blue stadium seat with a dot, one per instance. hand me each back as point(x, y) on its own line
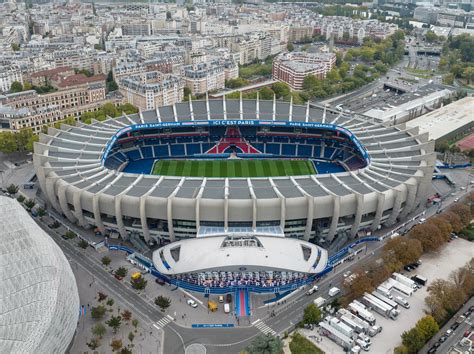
point(133, 154)
point(147, 152)
point(161, 150)
point(177, 150)
point(192, 149)
point(304, 150)
point(273, 149)
point(288, 150)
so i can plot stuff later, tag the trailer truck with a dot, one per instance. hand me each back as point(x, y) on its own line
point(393, 284)
point(340, 326)
point(385, 299)
point(360, 310)
point(320, 301)
point(358, 324)
point(404, 280)
point(379, 306)
point(338, 337)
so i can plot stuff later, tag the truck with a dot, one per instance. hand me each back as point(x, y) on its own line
point(379, 306)
point(320, 301)
point(312, 290)
point(364, 345)
point(340, 326)
point(358, 324)
point(419, 279)
point(404, 280)
point(402, 301)
point(334, 291)
point(360, 310)
point(338, 337)
point(374, 330)
point(393, 284)
point(384, 291)
point(385, 299)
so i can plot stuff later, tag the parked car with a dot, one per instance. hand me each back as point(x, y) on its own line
point(192, 303)
point(160, 281)
point(449, 332)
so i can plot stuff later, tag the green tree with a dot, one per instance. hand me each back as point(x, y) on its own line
point(114, 322)
point(106, 261)
point(125, 351)
point(29, 204)
point(8, 142)
point(299, 344)
point(121, 271)
point(83, 244)
point(98, 312)
point(281, 89)
point(430, 36)
point(131, 337)
point(70, 234)
point(428, 327)
point(20, 199)
point(98, 330)
point(468, 74)
point(290, 47)
point(110, 302)
point(265, 344)
point(135, 323)
point(15, 47)
point(41, 212)
point(12, 189)
point(16, 87)
point(413, 340)
point(265, 93)
point(112, 86)
point(186, 93)
point(162, 302)
point(139, 284)
point(312, 314)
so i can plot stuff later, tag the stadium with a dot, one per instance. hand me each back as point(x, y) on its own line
point(273, 178)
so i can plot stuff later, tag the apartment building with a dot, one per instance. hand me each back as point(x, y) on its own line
point(152, 89)
point(293, 68)
point(45, 77)
point(203, 77)
point(8, 75)
point(300, 33)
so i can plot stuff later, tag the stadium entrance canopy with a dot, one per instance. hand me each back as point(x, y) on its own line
point(240, 252)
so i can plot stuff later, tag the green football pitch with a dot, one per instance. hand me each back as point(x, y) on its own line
point(233, 168)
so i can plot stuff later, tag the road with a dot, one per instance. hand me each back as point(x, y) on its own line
point(457, 334)
point(216, 340)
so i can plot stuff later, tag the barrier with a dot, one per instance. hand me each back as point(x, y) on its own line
point(212, 325)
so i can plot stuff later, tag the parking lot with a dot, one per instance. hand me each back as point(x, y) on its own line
point(434, 266)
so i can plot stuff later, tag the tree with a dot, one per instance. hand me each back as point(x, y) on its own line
point(83, 244)
point(41, 212)
point(29, 204)
point(110, 110)
point(110, 302)
point(265, 344)
point(98, 330)
point(126, 315)
point(312, 314)
point(162, 302)
point(401, 251)
point(444, 299)
point(413, 340)
point(106, 261)
point(358, 286)
point(116, 345)
point(463, 211)
point(15, 47)
point(114, 322)
point(453, 219)
point(430, 36)
point(427, 327)
point(16, 87)
point(468, 74)
point(135, 323)
point(265, 93)
point(93, 344)
point(290, 47)
point(429, 236)
point(442, 146)
point(121, 272)
point(101, 296)
point(70, 234)
point(139, 284)
point(169, 16)
point(125, 351)
point(13, 189)
point(20, 199)
point(98, 312)
point(131, 337)
point(112, 86)
point(8, 142)
point(281, 89)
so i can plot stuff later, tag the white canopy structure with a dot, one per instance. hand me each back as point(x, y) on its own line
point(240, 252)
point(39, 301)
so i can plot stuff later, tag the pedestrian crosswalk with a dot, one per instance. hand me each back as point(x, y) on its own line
point(163, 322)
point(262, 327)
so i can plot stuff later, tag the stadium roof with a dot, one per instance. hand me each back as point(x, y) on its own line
point(74, 155)
point(232, 252)
point(447, 119)
point(39, 301)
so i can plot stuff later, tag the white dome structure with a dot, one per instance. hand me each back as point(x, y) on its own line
point(39, 301)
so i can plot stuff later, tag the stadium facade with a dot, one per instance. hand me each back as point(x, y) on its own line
point(39, 298)
point(369, 174)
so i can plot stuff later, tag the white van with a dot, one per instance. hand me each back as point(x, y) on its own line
point(363, 344)
point(334, 291)
point(226, 308)
point(312, 290)
point(401, 301)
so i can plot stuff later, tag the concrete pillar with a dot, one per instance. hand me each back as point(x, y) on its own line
point(379, 211)
point(410, 201)
point(50, 182)
point(76, 199)
point(63, 203)
point(309, 218)
point(358, 214)
point(96, 209)
point(118, 217)
point(335, 217)
point(143, 218)
point(170, 218)
point(397, 204)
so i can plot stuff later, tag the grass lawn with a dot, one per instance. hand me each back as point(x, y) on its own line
point(233, 168)
point(301, 345)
